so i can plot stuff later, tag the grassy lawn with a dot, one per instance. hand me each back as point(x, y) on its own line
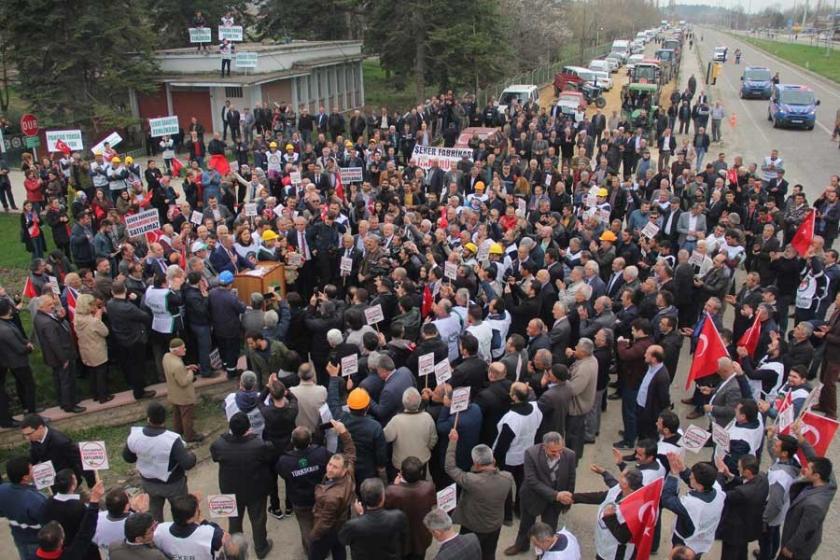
point(812, 58)
point(381, 91)
point(207, 419)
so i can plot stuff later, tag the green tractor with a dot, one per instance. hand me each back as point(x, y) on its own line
point(640, 105)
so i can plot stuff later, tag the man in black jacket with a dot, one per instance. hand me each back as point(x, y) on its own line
point(472, 371)
point(494, 400)
point(197, 310)
point(302, 469)
point(653, 395)
point(245, 471)
point(233, 120)
point(51, 537)
point(280, 415)
point(48, 444)
point(377, 533)
point(746, 497)
point(14, 357)
point(129, 329)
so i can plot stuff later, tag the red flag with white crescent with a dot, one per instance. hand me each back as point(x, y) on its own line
point(71, 303)
point(29, 289)
point(804, 234)
point(640, 511)
point(176, 166)
point(749, 339)
point(818, 431)
point(220, 163)
point(710, 348)
point(61, 146)
point(428, 301)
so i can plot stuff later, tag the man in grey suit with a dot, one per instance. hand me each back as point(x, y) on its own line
point(603, 318)
point(561, 331)
point(454, 546)
point(715, 283)
point(726, 395)
point(689, 225)
point(549, 470)
point(516, 357)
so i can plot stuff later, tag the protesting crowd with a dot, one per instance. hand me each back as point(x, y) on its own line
point(445, 320)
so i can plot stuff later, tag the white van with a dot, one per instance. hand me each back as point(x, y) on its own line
point(602, 79)
point(642, 36)
point(622, 47)
point(523, 92)
point(600, 65)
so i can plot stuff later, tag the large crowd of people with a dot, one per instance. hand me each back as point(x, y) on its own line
point(551, 273)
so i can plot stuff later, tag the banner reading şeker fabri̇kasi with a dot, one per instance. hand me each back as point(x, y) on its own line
point(423, 156)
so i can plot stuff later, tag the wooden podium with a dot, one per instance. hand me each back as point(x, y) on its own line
point(262, 278)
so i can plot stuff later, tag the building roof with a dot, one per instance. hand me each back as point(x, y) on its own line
point(266, 47)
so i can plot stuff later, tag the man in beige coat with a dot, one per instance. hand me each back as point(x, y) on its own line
point(583, 382)
point(412, 431)
point(180, 389)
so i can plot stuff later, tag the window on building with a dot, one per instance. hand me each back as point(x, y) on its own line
point(233, 92)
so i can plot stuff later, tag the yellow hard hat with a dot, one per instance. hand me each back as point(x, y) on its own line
point(273, 145)
point(116, 159)
point(289, 147)
point(603, 192)
point(497, 249)
point(471, 247)
point(479, 185)
point(348, 144)
point(129, 160)
point(358, 399)
point(608, 236)
point(269, 234)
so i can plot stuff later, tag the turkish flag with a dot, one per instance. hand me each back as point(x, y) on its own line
point(61, 146)
point(819, 431)
point(443, 222)
point(749, 339)
point(154, 236)
point(29, 289)
point(71, 302)
point(732, 175)
point(428, 301)
point(710, 348)
point(176, 167)
point(220, 163)
point(339, 187)
point(640, 510)
point(804, 234)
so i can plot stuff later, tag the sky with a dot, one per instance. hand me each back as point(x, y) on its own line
point(756, 5)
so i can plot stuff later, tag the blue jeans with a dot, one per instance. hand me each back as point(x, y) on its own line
point(628, 414)
point(701, 154)
point(27, 551)
point(204, 345)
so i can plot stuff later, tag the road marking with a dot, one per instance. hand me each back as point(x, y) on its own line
point(759, 128)
point(795, 71)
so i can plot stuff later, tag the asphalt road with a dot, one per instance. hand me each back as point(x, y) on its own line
point(810, 156)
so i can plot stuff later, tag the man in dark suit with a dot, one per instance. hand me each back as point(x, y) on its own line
point(376, 532)
point(233, 120)
point(48, 444)
point(322, 120)
point(830, 333)
point(548, 296)
point(335, 122)
point(671, 342)
point(746, 496)
point(653, 396)
point(300, 239)
point(225, 123)
point(453, 546)
point(396, 381)
point(540, 492)
point(615, 281)
point(472, 371)
point(670, 219)
point(537, 338)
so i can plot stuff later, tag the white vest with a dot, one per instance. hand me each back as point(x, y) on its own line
point(705, 517)
point(524, 430)
point(198, 546)
point(450, 331)
point(255, 416)
point(606, 544)
point(806, 292)
point(753, 436)
point(755, 384)
point(155, 299)
point(650, 475)
point(108, 532)
point(780, 476)
point(572, 551)
point(152, 453)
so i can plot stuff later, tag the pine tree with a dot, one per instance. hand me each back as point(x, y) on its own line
point(77, 60)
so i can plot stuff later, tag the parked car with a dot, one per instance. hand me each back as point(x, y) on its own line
point(615, 62)
point(602, 79)
point(720, 54)
point(600, 65)
point(792, 105)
